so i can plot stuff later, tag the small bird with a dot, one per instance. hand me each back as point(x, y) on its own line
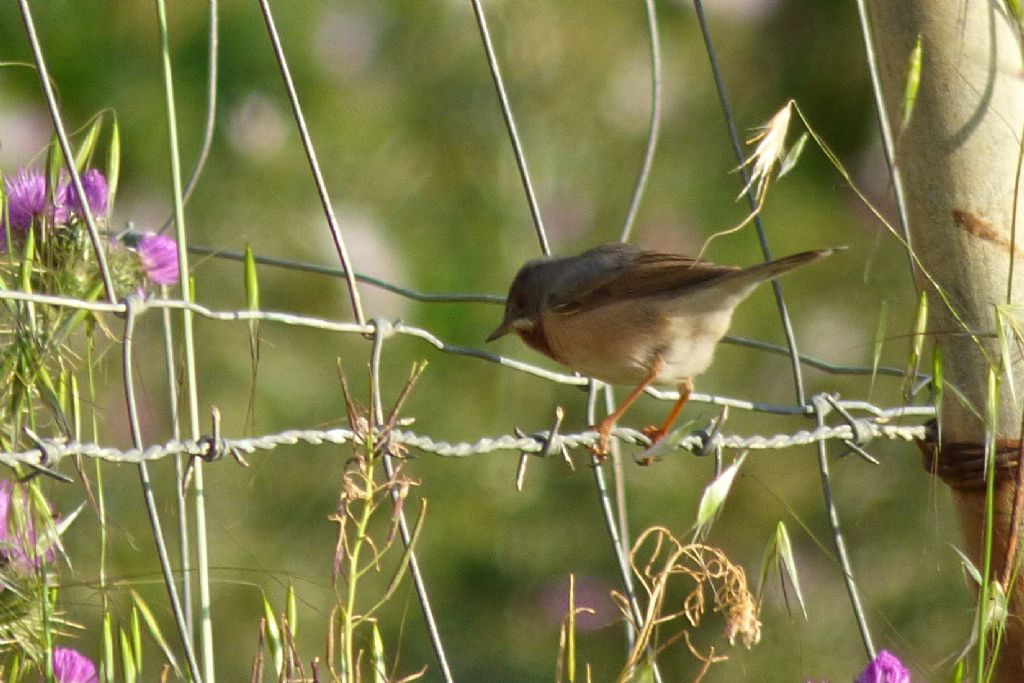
point(627, 316)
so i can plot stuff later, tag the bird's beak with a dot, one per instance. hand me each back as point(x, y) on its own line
point(504, 328)
point(514, 325)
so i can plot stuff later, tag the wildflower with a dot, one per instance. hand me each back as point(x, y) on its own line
point(159, 255)
point(71, 666)
point(95, 187)
point(886, 668)
point(27, 200)
point(18, 544)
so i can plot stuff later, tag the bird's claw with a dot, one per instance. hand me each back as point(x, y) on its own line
point(654, 433)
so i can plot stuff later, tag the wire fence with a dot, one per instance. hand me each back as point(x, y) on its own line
point(851, 424)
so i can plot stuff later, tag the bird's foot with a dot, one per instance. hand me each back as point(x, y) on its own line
point(654, 433)
point(604, 437)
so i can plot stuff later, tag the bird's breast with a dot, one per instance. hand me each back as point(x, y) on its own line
point(618, 343)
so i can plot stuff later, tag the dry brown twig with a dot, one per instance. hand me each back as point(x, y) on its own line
point(656, 558)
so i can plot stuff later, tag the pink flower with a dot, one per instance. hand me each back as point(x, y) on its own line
point(18, 546)
point(159, 255)
point(886, 668)
point(95, 187)
point(71, 666)
point(26, 200)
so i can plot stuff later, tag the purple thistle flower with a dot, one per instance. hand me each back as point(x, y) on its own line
point(886, 668)
point(25, 193)
point(71, 666)
point(159, 255)
point(95, 186)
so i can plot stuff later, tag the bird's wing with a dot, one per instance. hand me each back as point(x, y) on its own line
point(627, 273)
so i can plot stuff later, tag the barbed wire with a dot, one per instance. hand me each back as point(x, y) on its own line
point(49, 452)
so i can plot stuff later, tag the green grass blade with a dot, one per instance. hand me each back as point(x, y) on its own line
point(916, 344)
point(113, 164)
point(83, 155)
point(129, 674)
point(291, 611)
point(793, 155)
point(136, 640)
point(154, 630)
point(379, 666)
point(913, 83)
point(274, 637)
point(713, 498)
point(108, 648)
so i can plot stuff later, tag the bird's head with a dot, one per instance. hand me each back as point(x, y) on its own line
point(524, 301)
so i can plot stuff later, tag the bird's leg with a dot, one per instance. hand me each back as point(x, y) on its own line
point(656, 434)
point(605, 426)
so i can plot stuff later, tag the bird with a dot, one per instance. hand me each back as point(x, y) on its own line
point(629, 316)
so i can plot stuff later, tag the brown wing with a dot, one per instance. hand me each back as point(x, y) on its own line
point(618, 272)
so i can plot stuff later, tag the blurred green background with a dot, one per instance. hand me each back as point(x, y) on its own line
point(407, 126)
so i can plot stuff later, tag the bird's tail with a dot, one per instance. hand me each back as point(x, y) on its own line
point(766, 271)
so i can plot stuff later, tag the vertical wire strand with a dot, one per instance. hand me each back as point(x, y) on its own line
point(510, 124)
point(184, 547)
point(403, 526)
point(837, 536)
point(885, 129)
point(655, 122)
point(621, 553)
point(737, 148)
point(191, 380)
point(314, 165)
point(65, 146)
point(826, 485)
point(131, 306)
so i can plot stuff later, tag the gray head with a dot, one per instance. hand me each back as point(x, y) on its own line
point(526, 296)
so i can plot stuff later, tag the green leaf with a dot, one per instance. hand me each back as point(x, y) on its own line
point(154, 630)
point(136, 640)
point(793, 155)
point(913, 83)
point(113, 164)
point(958, 672)
point(84, 152)
point(129, 674)
point(379, 665)
point(54, 166)
point(916, 345)
point(274, 637)
point(291, 612)
point(403, 563)
point(714, 497)
point(108, 648)
point(785, 549)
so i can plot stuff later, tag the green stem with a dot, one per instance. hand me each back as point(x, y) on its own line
point(362, 525)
